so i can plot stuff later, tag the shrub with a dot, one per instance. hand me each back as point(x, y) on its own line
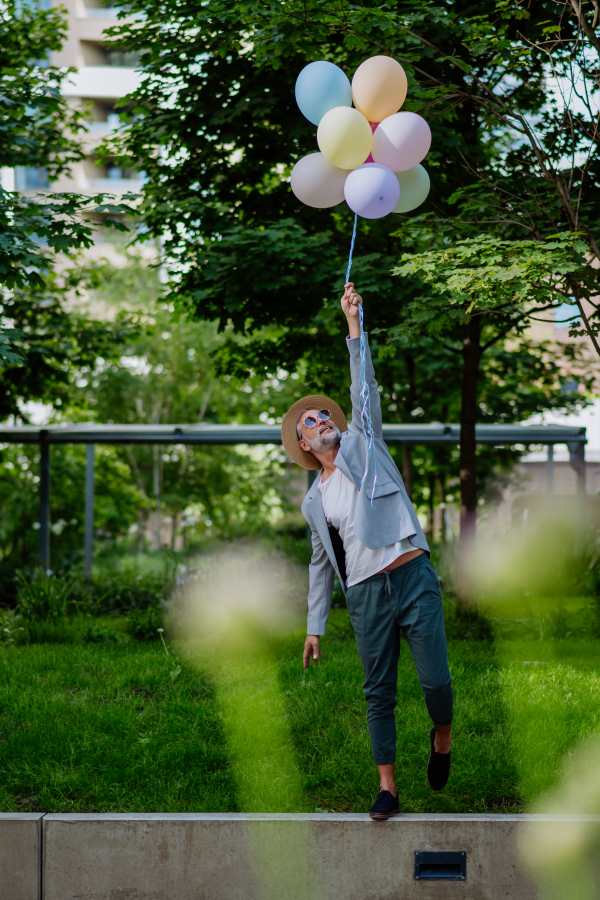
point(53, 631)
point(95, 633)
point(123, 592)
point(144, 624)
point(11, 627)
point(44, 597)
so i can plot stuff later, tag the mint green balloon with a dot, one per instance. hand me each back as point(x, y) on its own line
point(414, 188)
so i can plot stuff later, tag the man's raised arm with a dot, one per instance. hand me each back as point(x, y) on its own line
point(349, 304)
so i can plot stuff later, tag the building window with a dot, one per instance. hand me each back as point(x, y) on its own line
point(30, 178)
point(126, 59)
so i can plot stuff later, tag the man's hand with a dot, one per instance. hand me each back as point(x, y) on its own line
point(311, 648)
point(349, 304)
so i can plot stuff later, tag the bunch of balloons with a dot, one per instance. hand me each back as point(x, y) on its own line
point(370, 154)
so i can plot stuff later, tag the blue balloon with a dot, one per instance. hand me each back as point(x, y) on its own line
point(321, 86)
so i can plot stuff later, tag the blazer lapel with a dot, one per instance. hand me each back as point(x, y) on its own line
point(318, 517)
point(342, 463)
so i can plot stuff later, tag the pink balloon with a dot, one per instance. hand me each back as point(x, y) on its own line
point(373, 127)
point(401, 141)
point(372, 191)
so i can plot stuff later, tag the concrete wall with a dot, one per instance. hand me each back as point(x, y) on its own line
point(218, 856)
point(20, 856)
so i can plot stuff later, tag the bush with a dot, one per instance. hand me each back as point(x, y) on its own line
point(53, 631)
point(45, 597)
point(95, 633)
point(124, 592)
point(144, 624)
point(49, 607)
point(11, 627)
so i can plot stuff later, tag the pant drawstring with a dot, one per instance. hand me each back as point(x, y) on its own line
point(388, 584)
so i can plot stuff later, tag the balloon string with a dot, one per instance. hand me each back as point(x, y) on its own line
point(365, 396)
point(351, 249)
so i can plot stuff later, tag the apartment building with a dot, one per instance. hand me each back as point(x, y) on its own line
point(102, 76)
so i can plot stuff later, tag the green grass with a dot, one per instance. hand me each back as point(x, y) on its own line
point(108, 728)
point(123, 727)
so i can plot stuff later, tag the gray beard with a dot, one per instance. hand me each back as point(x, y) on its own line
point(322, 443)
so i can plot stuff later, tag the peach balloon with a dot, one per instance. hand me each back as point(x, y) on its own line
point(379, 87)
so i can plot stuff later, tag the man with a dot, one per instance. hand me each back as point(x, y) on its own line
point(368, 533)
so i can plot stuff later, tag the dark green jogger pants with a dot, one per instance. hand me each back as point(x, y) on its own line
point(407, 599)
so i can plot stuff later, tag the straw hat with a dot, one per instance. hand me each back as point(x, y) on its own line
point(289, 435)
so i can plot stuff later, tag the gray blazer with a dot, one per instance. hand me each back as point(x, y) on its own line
point(390, 519)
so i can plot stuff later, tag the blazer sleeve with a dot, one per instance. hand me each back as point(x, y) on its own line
point(357, 424)
point(321, 575)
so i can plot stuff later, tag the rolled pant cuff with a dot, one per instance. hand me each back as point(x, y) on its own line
point(385, 762)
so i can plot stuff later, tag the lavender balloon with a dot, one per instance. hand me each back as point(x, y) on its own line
point(372, 191)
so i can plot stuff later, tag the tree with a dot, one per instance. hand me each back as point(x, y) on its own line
point(490, 288)
point(56, 339)
point(117, 502)
point(39, 131)
point(165, 373)
point(218, 95)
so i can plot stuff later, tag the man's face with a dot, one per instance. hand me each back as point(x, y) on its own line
point(321, 427)
point(323, 435)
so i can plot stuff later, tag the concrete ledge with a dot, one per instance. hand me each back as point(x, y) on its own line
point(20, 854)
point(220, 856)
point(274, 857)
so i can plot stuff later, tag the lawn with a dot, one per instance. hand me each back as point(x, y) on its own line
point(126, 727)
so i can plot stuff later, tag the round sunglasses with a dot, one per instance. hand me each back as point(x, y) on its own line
point(323, 415)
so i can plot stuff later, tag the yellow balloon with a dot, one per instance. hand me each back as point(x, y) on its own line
point(344, 137)
point(379, 87)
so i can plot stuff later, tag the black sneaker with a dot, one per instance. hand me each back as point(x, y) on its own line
point(438, 767)
point(385, 805)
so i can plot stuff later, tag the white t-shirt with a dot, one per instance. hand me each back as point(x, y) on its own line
point(340, 497)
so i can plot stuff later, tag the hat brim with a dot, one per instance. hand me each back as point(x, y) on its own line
point(289, 435)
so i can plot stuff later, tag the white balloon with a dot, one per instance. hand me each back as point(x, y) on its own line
point(372, 191)
point(318, 183)
point(414, 188)
point(401, 141)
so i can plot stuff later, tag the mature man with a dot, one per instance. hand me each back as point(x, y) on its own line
point(368, 533)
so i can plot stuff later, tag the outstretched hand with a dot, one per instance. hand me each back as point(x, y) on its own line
point(350, 301)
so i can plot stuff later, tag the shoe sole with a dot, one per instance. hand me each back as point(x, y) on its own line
point(436, 789)
point(383, 815)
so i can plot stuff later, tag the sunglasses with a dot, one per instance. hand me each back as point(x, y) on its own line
point(323, 415)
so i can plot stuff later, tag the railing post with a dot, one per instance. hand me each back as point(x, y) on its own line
point(550, 474)
point(577, 461)
point(44, 500)
point(89, 511)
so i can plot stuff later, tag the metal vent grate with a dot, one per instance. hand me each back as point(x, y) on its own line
point(440, 865)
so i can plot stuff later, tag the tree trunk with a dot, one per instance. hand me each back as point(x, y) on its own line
point(471, 352)
point(442, 504)
point(174, 528)
point(156, 487)
point(431, 506)
point(409, 405)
